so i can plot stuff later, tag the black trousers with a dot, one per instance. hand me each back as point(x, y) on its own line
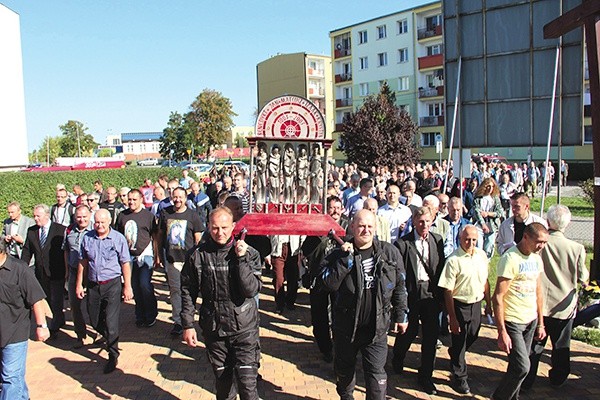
point(427, 311)
point(104, 305)
point(469, 320)
point(235, 357)
point(319, 313)
point(559, 332)
point(374, 355)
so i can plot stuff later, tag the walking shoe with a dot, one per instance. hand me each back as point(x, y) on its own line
point(439, 344)
point(177, 330)
point(427, 386)
point(151, 323)
point(78, 343)
point(111, 365)
point(460, 386)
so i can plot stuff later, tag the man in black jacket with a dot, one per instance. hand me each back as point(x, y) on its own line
point(422, 253)
point(226, 273)
point(368, 277)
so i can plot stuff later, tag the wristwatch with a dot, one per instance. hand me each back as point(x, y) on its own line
point(43, 326)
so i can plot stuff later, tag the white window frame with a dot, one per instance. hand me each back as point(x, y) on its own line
point(382, 59)
point(435, 109)
point(403, 55)
point(402, 26)
point(363, 89)
point(434, 49)
point(363, 62)
point(363, 37)
point(403, 83)
point(381, 32)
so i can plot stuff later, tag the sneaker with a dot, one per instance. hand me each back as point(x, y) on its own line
point(461, 386)
point(152, 323)
point(177, 330)
point(439, 344)
point(427, 386)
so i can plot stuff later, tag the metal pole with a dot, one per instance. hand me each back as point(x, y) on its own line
point(78, 142)
point(551, 124)
point(453, 123)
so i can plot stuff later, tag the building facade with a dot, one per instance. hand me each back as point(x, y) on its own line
point(404, 50)
point(301, 74)
point(13, 129)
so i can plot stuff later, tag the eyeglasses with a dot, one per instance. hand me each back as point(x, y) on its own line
point(90, 200)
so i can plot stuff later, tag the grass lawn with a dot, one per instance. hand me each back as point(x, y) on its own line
point(578, 205)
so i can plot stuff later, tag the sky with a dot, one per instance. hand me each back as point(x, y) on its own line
point(124, 66)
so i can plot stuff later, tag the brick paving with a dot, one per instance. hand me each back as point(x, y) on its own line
point(155, 366)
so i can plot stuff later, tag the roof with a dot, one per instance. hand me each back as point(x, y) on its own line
point(141, 136)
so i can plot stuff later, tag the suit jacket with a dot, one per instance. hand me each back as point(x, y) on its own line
point(410, 257)
point(564, 266)
point(24, 224)
point(50, 259)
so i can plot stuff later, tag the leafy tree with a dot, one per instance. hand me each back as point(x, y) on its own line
point(49, 149)
point(240, 140)
point(176, 138)
point(74, 137)
point(210, 119)
point(105, 153)
point(379, 133)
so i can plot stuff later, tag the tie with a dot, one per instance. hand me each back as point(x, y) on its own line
point(43, 236)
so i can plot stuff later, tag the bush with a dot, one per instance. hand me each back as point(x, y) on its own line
point(588, 190)
point(31, 188)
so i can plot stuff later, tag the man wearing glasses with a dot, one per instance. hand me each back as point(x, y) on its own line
point(93, 202)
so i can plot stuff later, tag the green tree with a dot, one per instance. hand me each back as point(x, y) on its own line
point(105, 152)
point(176, 138)
point(210, 119)
point(379, 133)
point(49, 149)
point(74, 138)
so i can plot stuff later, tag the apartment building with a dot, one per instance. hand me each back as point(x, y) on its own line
point(404, 49)
point(301, 74)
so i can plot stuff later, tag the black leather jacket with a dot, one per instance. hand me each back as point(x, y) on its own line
point(340, 275)
point(227, 285)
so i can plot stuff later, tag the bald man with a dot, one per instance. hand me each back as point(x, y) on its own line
point(368, 276)
point(465, 284)
point(105, 257)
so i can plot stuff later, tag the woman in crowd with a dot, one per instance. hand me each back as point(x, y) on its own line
point(487, 214)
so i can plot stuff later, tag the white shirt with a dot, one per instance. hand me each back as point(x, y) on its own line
point(396, 216)
point(423, 249)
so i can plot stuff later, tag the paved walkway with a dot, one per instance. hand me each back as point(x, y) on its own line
point(155, 366)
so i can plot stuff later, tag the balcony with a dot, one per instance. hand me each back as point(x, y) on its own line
point(425, 33)
point(316, 92)
point(339, 53)
point(433, 120)
point(434, 61)
point(431, 92)
point(338, 127)
point(315, 72)
point(343, 102)
point(343, 78)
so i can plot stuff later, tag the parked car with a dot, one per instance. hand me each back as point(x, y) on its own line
point(148, 162)
point(238, 164)
point(202, 170)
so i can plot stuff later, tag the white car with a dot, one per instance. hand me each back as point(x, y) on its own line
point(148, 162)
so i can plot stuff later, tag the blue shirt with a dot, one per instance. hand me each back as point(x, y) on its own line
point(105, 256)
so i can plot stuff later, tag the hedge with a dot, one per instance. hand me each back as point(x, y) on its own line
point(31, 188)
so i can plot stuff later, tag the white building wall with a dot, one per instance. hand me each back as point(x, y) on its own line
point(13, 130)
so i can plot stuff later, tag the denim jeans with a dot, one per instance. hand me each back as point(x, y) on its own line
point(75, 303)
point(143, 290)
point(13, 359)
point(174, 279)
point(521, 336)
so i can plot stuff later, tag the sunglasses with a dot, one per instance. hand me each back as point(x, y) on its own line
point(90, 200)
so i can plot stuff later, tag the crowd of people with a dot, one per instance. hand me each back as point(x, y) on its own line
point(416, 254)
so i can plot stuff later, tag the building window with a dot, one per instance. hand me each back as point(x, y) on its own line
point(381, 59)
point(435, 109)
point(364, 62)
point(347, 92)
point(363, 89)
point(587, 134)
point(403, 83)
point(435, 49)
point(402, 26)
point(428, 139)
point(403, 55)
point(381, 32)
point(432, 22)
point(362, 37)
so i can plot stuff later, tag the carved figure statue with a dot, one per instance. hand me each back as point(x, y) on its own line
point(302, 169)
point(262, 160)
point(316, 176)
point(274, 168)
point(289, 172)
